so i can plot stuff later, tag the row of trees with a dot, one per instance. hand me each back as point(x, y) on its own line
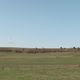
point(39, 50)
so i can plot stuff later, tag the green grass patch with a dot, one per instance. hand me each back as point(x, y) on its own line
point(48, 66)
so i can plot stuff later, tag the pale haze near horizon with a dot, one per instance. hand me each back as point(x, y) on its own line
point(39, 23)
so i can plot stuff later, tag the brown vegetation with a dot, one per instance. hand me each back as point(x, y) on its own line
point(39, 50)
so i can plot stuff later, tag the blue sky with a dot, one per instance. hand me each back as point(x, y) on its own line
point(39, 23)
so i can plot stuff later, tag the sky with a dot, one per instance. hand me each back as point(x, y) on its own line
point(39, 23)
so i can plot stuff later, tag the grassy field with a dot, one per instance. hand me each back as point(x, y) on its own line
point(48, 66)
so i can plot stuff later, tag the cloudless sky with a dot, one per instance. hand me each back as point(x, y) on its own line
point(39, 23)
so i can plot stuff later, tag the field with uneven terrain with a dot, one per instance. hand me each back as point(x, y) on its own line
point(46, 66)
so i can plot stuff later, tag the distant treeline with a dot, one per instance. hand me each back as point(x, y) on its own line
point(39, 50)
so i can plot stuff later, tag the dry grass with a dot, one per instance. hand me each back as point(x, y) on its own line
point(49, 66)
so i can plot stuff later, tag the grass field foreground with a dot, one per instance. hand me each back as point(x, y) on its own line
point(48, 66)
